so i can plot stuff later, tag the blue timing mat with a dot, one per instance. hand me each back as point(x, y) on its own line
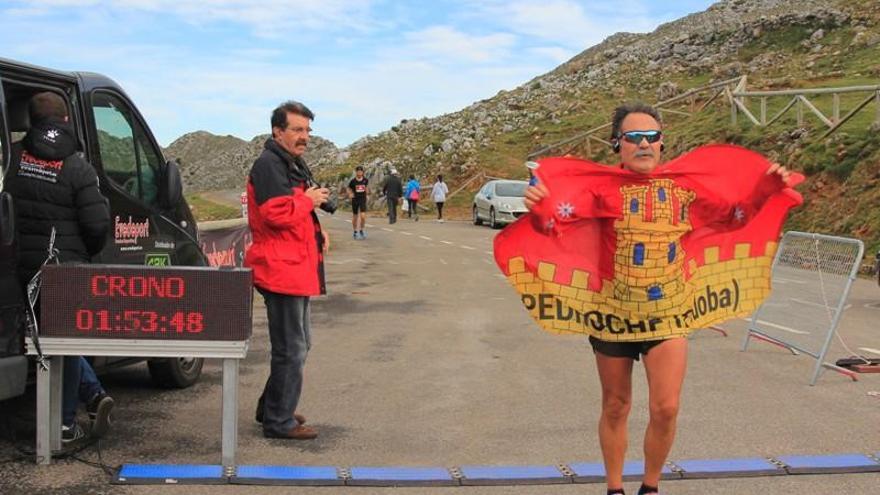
point(401, 476)
point(728, 468)
point(287, 475)
point(827, 464)
point(138, 474)
point(171, 474)
point(512, 475)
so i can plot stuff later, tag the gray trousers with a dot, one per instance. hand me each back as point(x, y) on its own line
point(289, 335)
point(392, 209)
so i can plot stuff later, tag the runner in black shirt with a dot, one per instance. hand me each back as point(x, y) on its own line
point(357, 192)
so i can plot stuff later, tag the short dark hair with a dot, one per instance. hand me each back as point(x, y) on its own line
point(279, 115)
point(45, 106)
point(359, 167)
point(440, 177)
point(622, 111)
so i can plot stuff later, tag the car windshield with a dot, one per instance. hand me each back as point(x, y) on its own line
point(511, 189)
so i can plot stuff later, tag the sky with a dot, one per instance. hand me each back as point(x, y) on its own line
point(360, 65)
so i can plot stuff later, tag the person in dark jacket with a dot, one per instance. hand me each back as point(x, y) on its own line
point(392, 188)
point(287, 258)
point(55, 187)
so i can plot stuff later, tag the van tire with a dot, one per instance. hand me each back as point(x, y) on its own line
point(175, 372)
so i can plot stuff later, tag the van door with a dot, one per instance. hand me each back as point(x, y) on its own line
point(13, 364)
point(131, 167)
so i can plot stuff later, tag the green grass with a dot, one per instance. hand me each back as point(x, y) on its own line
point(787, 39)
point(206, 210)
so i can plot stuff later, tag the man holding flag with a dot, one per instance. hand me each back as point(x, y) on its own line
point(638, 256)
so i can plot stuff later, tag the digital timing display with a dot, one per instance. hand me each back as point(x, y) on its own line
point(141, 302)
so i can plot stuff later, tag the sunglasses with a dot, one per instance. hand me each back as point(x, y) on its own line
point(635, 137)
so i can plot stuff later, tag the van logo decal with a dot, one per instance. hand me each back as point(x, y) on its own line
point(130, 231)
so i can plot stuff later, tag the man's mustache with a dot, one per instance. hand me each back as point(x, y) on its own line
point(642, 153)
point(302, 142)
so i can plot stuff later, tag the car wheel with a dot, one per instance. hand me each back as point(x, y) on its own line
point(175, 372)
point(477, 220)
point(493, 222)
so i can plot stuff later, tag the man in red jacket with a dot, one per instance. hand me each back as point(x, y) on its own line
point(287, 258)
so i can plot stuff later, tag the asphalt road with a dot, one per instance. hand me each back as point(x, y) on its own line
point(423, 356)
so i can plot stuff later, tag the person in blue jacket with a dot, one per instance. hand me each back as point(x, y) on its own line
point(412, 193)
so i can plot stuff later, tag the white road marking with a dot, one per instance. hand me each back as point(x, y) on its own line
point(425, 238)
point(387, 229)
point(405, 233)
point(871, 350)
point(489, 253)
point(467, 247)
point(443, 261)
point(346, 261)
point(787, 280)
point(872, 305)
point(368, 225)
point(446, 242)
point(810, 303)
point(780, 327)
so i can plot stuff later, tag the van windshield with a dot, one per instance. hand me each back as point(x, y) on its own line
point(511, 189)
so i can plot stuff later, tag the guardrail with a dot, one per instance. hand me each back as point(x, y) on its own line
point(800, 100)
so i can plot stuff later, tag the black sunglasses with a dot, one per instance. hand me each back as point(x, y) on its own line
point(635, 137)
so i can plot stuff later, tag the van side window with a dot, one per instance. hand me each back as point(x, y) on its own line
point(126, 154)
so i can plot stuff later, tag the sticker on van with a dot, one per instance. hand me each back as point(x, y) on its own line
point(157, 259)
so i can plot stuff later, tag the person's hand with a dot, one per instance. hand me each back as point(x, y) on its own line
point(318, 195)
point(779, 170)
point(534, 195)
point(326, 240)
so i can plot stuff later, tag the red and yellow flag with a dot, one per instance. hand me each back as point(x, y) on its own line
point(624, 256)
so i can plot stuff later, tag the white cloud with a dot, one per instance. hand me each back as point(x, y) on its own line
point(451, 45)
point(567, 23)
point(265, 18)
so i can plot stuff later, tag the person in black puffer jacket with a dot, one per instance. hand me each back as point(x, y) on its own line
point(54, 186)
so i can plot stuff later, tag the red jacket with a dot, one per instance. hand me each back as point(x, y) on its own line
point(286, 255)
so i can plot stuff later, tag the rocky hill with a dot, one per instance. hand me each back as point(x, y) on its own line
point(209, 162)
point(777, 44)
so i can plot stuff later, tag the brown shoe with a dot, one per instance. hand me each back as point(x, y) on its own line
point(299, 432)
point(298, 417)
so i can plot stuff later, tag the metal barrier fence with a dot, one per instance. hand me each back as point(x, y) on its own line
point(811, 279)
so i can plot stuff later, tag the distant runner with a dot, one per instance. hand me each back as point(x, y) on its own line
point(357, 192)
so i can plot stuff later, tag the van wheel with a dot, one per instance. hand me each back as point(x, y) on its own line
point(477, 220)
point(493, 222)
point(175, 372)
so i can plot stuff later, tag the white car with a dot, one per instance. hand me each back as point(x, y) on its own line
point(500, 202)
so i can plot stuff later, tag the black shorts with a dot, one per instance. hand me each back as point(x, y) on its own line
point(359, 205)
point(630, 350)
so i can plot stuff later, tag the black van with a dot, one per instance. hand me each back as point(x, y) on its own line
point(150, 220)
